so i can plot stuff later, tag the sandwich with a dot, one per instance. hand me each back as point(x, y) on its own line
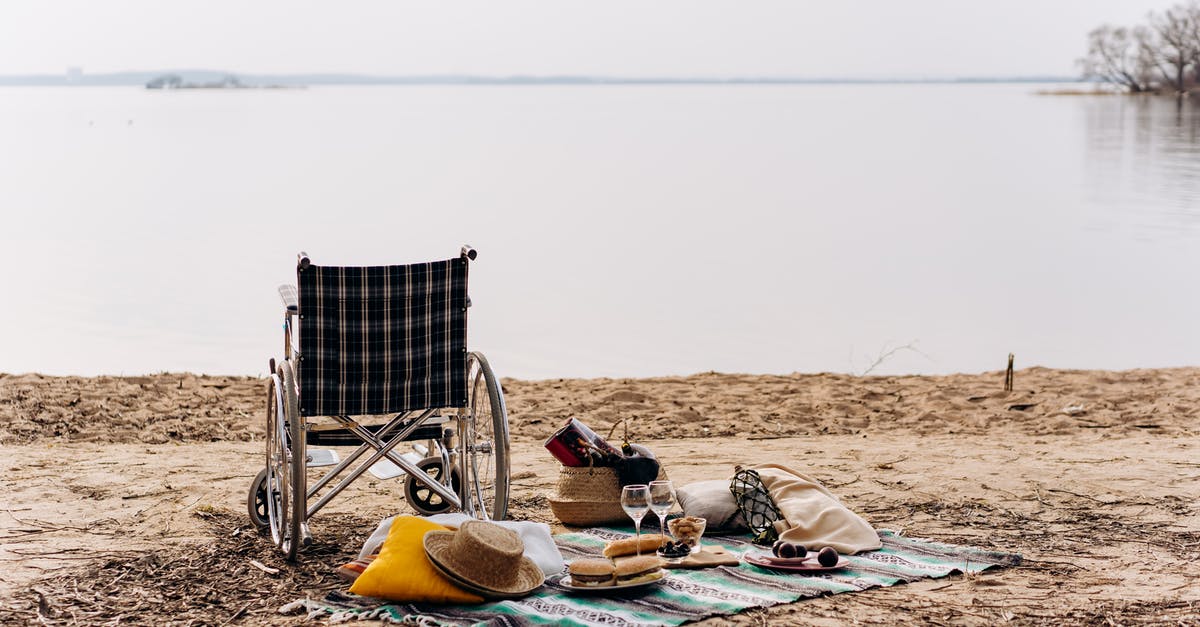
point(591, 573)
point(639, 569)
point(629, 546)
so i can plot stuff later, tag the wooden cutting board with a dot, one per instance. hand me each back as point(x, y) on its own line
point(708, 557)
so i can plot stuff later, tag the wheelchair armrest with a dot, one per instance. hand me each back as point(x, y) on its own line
point(287, 293)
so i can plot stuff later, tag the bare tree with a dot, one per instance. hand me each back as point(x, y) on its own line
point(1175, 43)
point(1147, 56)
point(1118, 55)
point(1193, 12)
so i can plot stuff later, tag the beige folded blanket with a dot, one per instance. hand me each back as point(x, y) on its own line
point(813, 516)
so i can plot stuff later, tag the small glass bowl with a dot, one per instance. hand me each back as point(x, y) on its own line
point(688, 530)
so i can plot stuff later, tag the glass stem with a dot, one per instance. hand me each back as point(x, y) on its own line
point(637, 533)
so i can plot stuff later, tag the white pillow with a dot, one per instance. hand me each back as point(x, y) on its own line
point(712, 501)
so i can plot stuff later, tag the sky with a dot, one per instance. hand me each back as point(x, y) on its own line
point(693, 38)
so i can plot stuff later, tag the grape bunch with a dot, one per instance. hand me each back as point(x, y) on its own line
point(675, 549)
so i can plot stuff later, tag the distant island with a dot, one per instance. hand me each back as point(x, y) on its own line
point(229, 81)
point(216, 79)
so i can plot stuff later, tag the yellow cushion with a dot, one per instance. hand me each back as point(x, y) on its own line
point(402, 572)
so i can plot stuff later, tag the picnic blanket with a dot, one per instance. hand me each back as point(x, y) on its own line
point(685, 595)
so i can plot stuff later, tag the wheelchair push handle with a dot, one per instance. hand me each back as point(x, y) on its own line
point(302, 260)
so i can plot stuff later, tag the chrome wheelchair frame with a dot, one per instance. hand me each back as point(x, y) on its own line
point(466, 463)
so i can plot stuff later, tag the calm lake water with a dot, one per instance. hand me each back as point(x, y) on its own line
point(622, 230)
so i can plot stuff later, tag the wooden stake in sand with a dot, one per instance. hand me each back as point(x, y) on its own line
point(1008, 375)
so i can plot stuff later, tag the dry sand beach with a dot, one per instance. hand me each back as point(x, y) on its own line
point(123, 497)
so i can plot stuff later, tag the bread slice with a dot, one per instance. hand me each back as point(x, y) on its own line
point(629, 546)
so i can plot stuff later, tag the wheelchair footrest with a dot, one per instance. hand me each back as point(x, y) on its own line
point(385, 469)
point(319, 457)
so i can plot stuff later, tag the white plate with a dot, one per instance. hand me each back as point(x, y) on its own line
point(810, 566)
point(566, 583)
point(767, 556)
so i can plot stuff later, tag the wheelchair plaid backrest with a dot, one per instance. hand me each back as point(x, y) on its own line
point(382, 339)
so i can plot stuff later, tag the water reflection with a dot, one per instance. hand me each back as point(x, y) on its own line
point(1143, 162)
point(623, 231)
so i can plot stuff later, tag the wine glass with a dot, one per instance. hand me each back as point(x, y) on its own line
point(662, 497)
point(635, 500)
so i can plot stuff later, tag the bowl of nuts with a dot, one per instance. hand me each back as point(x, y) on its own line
point(688, 530)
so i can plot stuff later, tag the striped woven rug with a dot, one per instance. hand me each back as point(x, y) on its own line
point(686, 595)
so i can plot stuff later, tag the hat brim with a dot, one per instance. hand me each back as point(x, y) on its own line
point(437, 548)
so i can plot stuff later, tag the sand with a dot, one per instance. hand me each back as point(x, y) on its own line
point(123, 497)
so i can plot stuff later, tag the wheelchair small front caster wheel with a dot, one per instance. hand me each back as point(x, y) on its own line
point(256, 501)
point(421, 497)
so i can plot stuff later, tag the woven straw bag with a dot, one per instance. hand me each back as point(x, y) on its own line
point(589, 496)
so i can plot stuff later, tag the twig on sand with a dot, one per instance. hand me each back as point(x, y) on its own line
point(263, 567)
point(237, 614)
point(17, 610)
point(58, 555)
point(1183, 585)
point(47, 526)
point(890, 465)
point(838, 485)
point(126, 497)
point(193, 503)
point(886, 353)
point(1083, 496)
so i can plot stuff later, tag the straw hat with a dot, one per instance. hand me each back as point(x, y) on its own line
point(484, 558)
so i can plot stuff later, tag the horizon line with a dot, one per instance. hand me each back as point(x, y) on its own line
point(140, 77)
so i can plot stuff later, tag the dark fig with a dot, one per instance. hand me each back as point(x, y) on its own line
point(775, 547)
point(788, 550)
point(828, 557)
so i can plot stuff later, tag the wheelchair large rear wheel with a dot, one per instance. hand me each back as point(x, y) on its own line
point(285, 481)
point(484, 441)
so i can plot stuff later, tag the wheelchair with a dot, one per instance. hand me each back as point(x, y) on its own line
point(383, 345)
